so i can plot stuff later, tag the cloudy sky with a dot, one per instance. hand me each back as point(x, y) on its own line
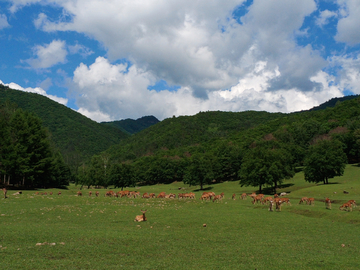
point(117, 59)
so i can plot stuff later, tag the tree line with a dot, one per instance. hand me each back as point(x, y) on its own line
point(27, 155)
point(320, 143)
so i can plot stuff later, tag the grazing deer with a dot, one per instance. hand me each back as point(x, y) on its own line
point(303, 200)
point(243, 196)
point(278, 203)
point(142, 217)
point(205, 197)
point(59, 193)
point(4, 191)
point(311, 201)
point(353, 203)
point(79, 193)
point(161, 195)
point(97, 193)
point(328, 203)
point(217, 198)
point(234, 196)
point(346, 206)
point(90, 193)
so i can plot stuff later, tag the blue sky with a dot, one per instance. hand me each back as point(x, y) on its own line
point(112, 60)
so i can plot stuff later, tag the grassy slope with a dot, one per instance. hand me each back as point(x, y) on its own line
point(99, 233)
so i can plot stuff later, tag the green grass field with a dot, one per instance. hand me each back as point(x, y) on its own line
point(100, 232)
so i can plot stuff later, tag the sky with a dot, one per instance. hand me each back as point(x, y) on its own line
point(116, 59)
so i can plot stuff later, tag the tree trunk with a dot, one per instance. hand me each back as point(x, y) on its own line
point(260, 188)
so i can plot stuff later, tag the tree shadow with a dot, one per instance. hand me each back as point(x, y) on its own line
point(270, 190)
point(204, 189)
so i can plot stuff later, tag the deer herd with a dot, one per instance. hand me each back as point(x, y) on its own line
point(276, 201)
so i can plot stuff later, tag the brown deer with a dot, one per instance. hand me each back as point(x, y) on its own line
point(90, 193)
point(243, 196)
point(346, 206)
point(303, 200)
point(328, 203)
point(5, 191)
point(234, 196)
point(79, 193)
point(311, 201)
point(97, 193)
point(142, 217)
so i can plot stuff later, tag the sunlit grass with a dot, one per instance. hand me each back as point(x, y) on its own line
point(100, 232)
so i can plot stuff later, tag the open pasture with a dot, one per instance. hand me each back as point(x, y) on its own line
point(71, 232)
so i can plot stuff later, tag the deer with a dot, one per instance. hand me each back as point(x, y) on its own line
point(79, 193)
point(97, 193)
point(352, 202)
point(142, 217)
point(311, 201)
point(234, 196)
point(303, 200)
point(90, 193)
point(4, 191)
point(243, 196)
point(328, 203)
point(346, 206)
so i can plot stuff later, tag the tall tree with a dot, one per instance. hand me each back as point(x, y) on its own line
point(199, 171)
point(266, 164)
point(122, 175)
point(325, 159)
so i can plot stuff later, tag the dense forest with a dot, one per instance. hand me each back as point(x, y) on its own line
point(132, 126)
point(27, 158)
point(76, 136)
point(257, 149)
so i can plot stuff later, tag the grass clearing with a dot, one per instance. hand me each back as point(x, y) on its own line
point(100, 233)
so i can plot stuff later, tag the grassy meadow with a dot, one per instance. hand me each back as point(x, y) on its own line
point(100, 232)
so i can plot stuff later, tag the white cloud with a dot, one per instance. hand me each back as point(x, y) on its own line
point(348, 26)
point(108, 92)
point(48, 55)
point(349, 73)
point(324, 17)
point(182, 42)
point(3, 21)
point(36, 90)
point(219, 63)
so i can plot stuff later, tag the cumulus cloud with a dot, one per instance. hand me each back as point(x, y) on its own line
point(111, 92)
point(219, 62)
point(48, 55)
point(3, 21)
point(36, 90)
point(348, 26)
point(195, 44)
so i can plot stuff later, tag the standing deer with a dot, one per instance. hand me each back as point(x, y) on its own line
point(5, 191)
point(142, 217)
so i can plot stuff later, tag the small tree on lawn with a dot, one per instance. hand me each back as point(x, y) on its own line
point(325, 159)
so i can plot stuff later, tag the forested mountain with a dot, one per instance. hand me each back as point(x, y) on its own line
point(332, 102)
point(225, 146)
point(77, 136)
point(132, 126)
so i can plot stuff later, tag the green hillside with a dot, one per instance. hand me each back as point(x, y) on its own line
point(77, 136)
point(132, 126)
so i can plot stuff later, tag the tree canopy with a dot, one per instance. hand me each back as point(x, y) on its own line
point(325, 159)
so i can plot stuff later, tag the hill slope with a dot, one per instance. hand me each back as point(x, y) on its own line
point(133, 126)
point(77, 136)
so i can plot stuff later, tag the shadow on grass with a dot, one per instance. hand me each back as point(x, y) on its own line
point(270, 190)
point(204, 189)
